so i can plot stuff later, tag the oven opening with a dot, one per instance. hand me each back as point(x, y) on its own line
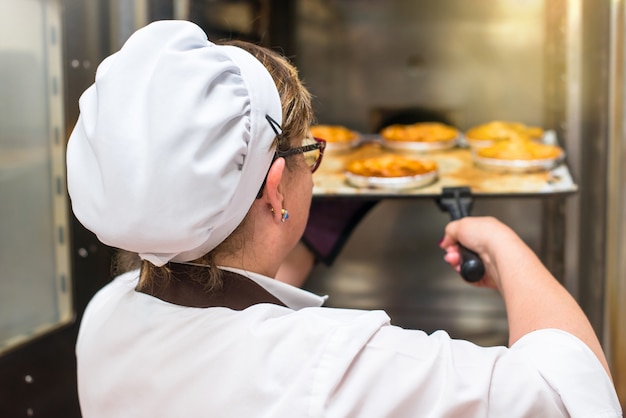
point(380, 117)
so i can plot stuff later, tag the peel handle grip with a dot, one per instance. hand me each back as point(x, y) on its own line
point(472, 267)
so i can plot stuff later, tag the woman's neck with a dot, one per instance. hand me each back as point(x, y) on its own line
point(247, 263)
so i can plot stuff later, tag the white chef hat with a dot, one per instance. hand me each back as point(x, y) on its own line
point(172, 143)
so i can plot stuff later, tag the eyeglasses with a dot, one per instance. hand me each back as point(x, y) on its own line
point(313, 148)
point(313, 152)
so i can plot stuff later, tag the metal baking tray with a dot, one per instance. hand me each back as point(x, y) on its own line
point(455, 167)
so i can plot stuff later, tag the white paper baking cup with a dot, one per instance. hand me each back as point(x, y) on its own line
point(517, 166)
point(548, 137)
point(339, 146)
point(479, 143)
point(421, 146)
point(398, 183)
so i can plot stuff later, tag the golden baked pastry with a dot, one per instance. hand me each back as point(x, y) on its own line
point(333, 133)
point(419, 132)
point(390, 166)
point(499, 130)
point(519, 148)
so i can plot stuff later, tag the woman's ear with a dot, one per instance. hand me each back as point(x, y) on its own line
point(273, 189)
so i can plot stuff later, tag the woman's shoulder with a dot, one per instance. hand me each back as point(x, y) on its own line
point(115, 289)
point(120, 284)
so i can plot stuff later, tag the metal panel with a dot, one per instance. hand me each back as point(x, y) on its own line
point(35, 297)
point(39, 377)
point(615, 308)
point(594, 129)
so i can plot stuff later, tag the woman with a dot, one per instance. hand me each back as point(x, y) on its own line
point(197, 157)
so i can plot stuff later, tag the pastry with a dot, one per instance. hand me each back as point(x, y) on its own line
point(390, 166)
point(520, 148)
point(499, 130)
point(333, 133)
point(419, 132)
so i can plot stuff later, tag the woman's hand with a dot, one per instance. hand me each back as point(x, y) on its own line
point(486, 236)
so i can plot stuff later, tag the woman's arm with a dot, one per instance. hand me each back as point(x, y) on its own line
point(534, 299)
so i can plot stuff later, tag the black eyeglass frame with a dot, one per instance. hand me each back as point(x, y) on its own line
point(320, 145)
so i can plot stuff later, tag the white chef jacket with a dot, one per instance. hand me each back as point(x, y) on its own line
point(139, 356)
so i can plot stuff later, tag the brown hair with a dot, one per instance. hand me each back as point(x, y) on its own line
point(297, 119)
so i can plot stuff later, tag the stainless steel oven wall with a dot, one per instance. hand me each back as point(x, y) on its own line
point(473, 61)
point(616, 207)
point(469, 62)
point(35, 278)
